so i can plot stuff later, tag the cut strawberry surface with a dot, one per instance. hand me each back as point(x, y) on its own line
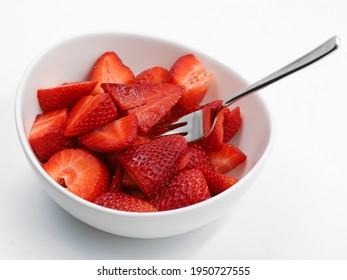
point(232, 123)
point(227, 158)
point(79, 172)
point(218, 182)
point(188, 187)
point(124, 202)
point(149, 102)
point(190, 73)
point(109, 68)
point(152, 164)
point(89, 113)
point(116, 180)
point(46, 135)
point(63, 96)
point(115, 136)
point(156, 74)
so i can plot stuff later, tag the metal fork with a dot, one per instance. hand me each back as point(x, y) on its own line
point(199, 124)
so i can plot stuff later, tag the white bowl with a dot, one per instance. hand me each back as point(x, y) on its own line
point(71, 59)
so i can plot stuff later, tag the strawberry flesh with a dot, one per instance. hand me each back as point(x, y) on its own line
point(156, 74)
point(46, 135)
point(218, 183)
point(109, 68)
point(79, 172)
point(232, 123)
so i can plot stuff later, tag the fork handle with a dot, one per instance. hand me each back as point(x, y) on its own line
point(309, 58)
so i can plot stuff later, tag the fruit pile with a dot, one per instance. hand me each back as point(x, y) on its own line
point(94, 137)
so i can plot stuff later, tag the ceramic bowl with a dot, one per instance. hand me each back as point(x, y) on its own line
point(71, 60)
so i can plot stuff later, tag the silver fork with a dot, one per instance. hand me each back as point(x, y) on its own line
point(199, 124)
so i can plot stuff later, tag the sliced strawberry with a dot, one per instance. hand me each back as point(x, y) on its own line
point(46, 135)
point(218, 182)
point(149, 102)
point(226, 158)
point(89, 113)
point(156, 74)
point(214, 141)
point(190, 73)
point(188, 187)
point(63, 96)
point(115, 136)
point(128, 182)
point(198, 157)
point(109, 68)
point(183, 163)
point(153, 163)
point(124, 202)
point(79, 172)
point(232, 123)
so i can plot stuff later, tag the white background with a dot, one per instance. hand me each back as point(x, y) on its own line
point(296, 209)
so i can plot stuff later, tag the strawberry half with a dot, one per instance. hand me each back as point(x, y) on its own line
point(149, 102)
point(190, 73)
point(217, 182)
point(186, 188)
point(79, 172)
point(89, 113)
point(109, 68)
point(63, 96)
point(232, 123)
point(153, 163)
point(156, 74)
point(115, 136)
point(227, 158)
point(124, 202)
point(46, 135)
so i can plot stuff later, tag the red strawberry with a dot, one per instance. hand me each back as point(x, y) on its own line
point(226, 158)
point(79, 171)
point(149, 102)
point(89, 113)
point(128, 182)
point(190, 73)
point(217, 182)
point(214, 141)
point(46, 135)
point(153, 75)
point(124, 202)
point(198, 158)
point(115, 136)
point(188, 187)
point(153, 163)
point(232, 123)
point(63, 96)
point(109, 68)
point(116, 181)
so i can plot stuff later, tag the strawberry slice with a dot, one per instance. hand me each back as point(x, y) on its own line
point(227, 158)
point(124, 202)
point(186, 188)
point(116, 180)
point(232, 123)
point(89, 113)
point(63, 96)
point(115, 136)
point(190, 73)
point(79, 172)
point(198, 157)
point(153, 163)
point(214, 141)
point(218, 182)
point(149, 102)
point(156, 74)
point(109, 68)
point(46, 135)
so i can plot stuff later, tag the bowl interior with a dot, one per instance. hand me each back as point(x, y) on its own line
point(72, 59)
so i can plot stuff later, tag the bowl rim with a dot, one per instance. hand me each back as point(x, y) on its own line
point(37, 166)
